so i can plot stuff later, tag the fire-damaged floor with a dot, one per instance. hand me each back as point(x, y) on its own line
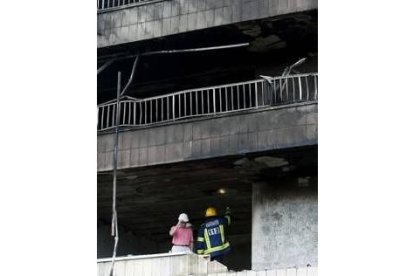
point(150, 199)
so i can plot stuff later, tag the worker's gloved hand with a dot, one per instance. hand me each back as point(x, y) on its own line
point(228, 211)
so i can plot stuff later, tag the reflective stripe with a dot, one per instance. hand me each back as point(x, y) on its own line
point(200, 239)
point(222, 233)
point(208, 244)
point(217, 248)
point(228, 218)
point(200, 251)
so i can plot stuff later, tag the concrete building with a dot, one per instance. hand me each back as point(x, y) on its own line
point(217, 126)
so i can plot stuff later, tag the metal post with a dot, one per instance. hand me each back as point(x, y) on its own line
point(156, 110)
point(173, 107)
point(107, 116)
point(124, 112)
point(287, 89)
point(191, 103)
point(146, 112)
point(202, 101)
point(257, 94)
point(129, 113)
point(196, 100)
point(280, 91)
point(185, 104)
point(214, 101)
point(307, 88)
point(168, 108)
point(162, 109)
point(225, 98)
point(238, 97)
point(135, 113)
point(141, 120)
point(232, 100)
point(179, 105)
point(244, 96)
point(221, 108)
point(114, 226)
point(150, 103)
point(208, 101)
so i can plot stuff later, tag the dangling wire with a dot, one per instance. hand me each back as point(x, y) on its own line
point(114, 225)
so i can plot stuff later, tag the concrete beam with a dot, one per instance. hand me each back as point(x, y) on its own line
point(177, 16)
point(254, 131)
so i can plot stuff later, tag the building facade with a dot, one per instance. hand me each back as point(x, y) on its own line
point(219, 109)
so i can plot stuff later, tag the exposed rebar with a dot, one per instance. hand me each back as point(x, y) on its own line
point(106, 65)
point(196, 49)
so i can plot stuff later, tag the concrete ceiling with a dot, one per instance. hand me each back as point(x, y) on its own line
point(150, 199)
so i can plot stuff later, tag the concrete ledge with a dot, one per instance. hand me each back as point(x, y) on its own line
point(138, 257)
point(163, 18)
point(269, 129)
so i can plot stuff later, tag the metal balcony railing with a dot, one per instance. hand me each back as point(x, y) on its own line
point(109, 4)
point(210, 101)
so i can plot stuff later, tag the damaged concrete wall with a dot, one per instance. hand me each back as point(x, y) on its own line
point(162, 18)
point(285, 225)
point(253, 131)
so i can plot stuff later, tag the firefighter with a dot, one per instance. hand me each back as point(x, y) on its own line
point(211, 238)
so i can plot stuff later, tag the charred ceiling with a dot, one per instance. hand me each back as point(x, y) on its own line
point(273, 41)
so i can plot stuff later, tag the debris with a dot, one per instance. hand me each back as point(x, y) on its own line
point(271, 162)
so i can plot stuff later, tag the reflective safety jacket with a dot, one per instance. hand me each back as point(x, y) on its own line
point(211, 238)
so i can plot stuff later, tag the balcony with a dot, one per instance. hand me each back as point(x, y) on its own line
point(210, 101)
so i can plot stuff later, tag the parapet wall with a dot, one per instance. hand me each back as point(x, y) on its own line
point(184, 265)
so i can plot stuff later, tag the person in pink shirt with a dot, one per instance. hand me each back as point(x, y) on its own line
point(182, 234)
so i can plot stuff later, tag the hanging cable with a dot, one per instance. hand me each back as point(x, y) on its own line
point(114, 225)
point(131, 77)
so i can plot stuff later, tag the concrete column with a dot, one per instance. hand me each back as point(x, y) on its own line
point(284, 224)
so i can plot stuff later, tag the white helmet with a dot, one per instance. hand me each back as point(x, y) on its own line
point(183, 217)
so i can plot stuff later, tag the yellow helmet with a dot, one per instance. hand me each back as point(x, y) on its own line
point(211, 212)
